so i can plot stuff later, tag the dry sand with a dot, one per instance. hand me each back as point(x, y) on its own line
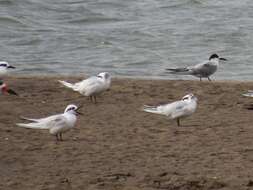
point(116, 146)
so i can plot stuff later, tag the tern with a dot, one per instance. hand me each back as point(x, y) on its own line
point(248, 94)
point(56, 124)
point(175, 110)
point(201, 70)
point(91, 86)
point(4, 68)
point(5, 90)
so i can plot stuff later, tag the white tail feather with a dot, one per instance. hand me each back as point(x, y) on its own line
point(67, 84)
point(151, 109)
point(32, 125)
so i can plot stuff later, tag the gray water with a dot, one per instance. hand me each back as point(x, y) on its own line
point(133, 38)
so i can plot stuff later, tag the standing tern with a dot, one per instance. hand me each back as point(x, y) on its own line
point(4, 89)
point(57, 124)
point(201, 70)
point(4, 68)
point(91, 86)
point(175, 110)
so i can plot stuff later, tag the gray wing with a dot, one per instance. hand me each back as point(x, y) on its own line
point(169, 109)
point(204, 69)
point(45, 123)
point(179, 109)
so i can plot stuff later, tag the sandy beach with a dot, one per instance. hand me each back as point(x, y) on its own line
point(116, 146)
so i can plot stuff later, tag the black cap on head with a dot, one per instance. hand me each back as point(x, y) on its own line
point(213, 56)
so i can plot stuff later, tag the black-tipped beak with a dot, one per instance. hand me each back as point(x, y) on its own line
point(79, 113)
point(78, 109)
point(11, 67)
point(10, 91)
point(223, 59)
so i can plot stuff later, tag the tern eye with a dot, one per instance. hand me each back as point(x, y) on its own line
point(71, 108)
point(186, 98)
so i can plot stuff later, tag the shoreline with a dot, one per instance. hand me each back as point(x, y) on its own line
point(82, 77)
point(117, 146)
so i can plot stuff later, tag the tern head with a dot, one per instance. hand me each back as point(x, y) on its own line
point(215, 56)
point(104, 75)
point(5, 65)
point(72, 109)
point(189, 97)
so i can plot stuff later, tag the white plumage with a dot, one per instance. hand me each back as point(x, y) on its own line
point(4, 68)
point(91, 86)
point(56, 124)
point(248, 94)
point(201, 70)
point(175, 110)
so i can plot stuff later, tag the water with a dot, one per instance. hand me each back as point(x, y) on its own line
point(134, 38)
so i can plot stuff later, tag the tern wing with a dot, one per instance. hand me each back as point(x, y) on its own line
point(30, 119)
point(180, 109)
point(204, 69)
point(248, 94)
point(79, 86)
point(92, 85)
point(165, 109)
point(44, 123)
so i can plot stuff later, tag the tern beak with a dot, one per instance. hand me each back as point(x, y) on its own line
point(10, 91)
point(78, 109)
point(11, 67)
point(223, 59)
point(79, 112)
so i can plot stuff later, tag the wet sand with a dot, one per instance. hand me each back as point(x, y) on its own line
point(116, 146)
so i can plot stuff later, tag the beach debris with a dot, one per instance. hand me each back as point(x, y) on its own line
point(5, 90)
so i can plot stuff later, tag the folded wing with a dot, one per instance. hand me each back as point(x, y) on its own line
point(172, 109)
point(44, 123)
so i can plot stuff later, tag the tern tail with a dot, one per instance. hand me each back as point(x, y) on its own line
point(151, 109)
point(67, 84)
point(32, 125)
point(179, 71)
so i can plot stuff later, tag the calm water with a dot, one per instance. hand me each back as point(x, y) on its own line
point(136, 38)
